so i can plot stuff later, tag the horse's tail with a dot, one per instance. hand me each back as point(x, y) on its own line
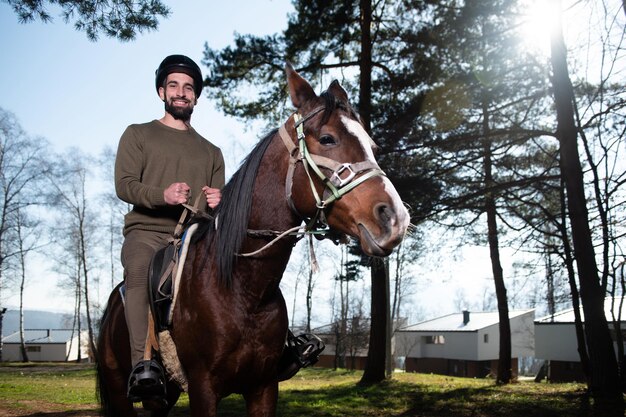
point(106, 379)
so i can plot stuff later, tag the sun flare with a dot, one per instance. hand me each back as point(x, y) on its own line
point(538, 20)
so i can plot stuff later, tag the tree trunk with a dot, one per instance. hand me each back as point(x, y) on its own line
point(22, 337)
point(376, 357)
point(83, 255)
point(2, 311)
point(375, 366)
point(365, 66)
point(22, 257)
point(504, 363)
point(504, 374)
point(571, 275)
point(605, 383)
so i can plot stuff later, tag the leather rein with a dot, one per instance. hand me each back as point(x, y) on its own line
point(344, 178)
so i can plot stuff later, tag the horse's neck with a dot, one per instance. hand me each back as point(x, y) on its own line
point(270, 213)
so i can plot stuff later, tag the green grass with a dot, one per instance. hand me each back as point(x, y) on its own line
point(68, 390)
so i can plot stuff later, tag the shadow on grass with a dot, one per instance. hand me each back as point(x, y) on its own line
point(74, 413)
point(393, 398)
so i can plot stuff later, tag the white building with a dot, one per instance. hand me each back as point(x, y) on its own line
point(45, 345)
point(555, 340)
point(464, 344)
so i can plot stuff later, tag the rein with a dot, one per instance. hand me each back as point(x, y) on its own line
point(342, 180)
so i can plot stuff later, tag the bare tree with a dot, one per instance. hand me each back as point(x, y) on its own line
point(77, 229)
point(23, 166)
point(114, 210)
point(28, 240)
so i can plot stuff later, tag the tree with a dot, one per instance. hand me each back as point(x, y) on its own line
point(349, 271)
point(77, 232)
point(27, 240)
point(114, 209)
point(23, 169)
point(604, 379)
point(481, 129)
point(114, 18)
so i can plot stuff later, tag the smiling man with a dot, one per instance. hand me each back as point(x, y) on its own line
point(159, 166)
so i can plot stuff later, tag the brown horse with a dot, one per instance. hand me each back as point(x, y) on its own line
point(230, 320)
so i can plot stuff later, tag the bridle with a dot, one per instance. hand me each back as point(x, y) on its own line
point(345, 177)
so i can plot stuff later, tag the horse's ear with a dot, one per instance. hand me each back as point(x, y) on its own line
point(337, 90)
point(300, 90)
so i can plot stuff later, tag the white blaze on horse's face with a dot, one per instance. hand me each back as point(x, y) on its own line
point(356, 129)
point(395, 212)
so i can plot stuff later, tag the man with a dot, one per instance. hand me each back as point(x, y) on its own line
point(160, 165)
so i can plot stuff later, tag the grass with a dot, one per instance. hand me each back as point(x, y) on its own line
point(57, 390)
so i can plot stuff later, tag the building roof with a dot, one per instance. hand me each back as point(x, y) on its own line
point(454, 322)
point(567, 316)
point(41, 336)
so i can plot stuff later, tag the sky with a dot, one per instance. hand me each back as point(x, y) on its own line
point(78, 93)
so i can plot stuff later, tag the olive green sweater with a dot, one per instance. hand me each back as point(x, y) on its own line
point(150, 157)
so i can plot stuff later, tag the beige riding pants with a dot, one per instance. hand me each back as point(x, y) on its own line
point(137, 251)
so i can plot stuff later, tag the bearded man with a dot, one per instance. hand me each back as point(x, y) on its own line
point(159, 166)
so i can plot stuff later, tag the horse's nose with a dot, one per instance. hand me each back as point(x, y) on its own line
point(386, 216)
point(393, 222)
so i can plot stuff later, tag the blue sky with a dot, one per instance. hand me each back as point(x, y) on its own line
point(78, 93)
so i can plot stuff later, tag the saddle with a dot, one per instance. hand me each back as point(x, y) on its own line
point(165, 269)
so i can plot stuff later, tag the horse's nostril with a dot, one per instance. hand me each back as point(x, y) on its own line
point(384, 214)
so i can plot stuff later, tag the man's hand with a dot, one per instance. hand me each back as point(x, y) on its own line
point(213, 196)
point(176, 193)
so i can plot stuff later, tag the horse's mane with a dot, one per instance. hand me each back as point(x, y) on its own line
point(229, 228)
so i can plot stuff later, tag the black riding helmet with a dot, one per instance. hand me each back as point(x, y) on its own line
point(179, 63)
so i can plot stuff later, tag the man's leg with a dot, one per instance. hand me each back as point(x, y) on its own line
point(137, 251)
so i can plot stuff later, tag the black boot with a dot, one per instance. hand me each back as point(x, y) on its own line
point(147, 384)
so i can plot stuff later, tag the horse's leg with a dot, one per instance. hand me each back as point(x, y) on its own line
point(261, 402)
point(202, 396)
point(114, 361)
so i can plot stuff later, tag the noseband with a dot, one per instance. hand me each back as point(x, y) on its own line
point(344, 178)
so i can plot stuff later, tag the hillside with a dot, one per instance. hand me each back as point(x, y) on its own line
point(34, 319)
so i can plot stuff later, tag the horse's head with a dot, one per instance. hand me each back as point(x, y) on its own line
point(339, 181)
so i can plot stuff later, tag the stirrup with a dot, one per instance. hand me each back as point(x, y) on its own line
point(308, 347)
point(146, 383)
point(300, 351)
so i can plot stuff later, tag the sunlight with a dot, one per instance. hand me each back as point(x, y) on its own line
point(537, 22)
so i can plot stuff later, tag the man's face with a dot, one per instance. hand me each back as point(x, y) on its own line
point(179, 95)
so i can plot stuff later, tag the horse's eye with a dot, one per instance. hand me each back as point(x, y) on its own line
point(327, 140)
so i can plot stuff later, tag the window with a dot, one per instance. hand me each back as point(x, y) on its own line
point(33, 348)
point(486, 338)
point(435, 339)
